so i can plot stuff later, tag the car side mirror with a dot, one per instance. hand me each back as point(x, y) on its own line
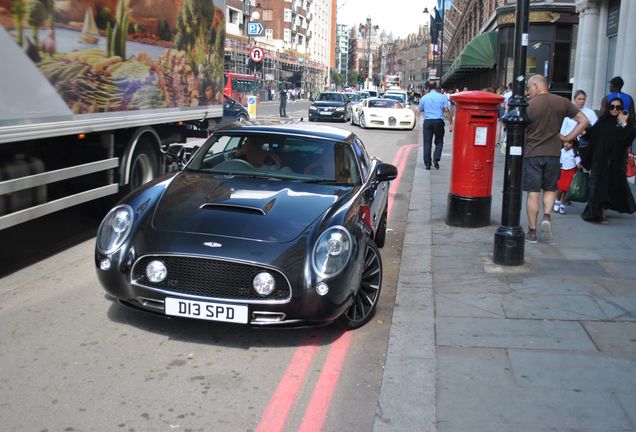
point(386, 172)
point(176, 154)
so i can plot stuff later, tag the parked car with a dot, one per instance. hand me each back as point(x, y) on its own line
point(233, 111)
point(396, 96)
point(262, 226)
point(382, 113)
point(330, 106)
point(404, 97)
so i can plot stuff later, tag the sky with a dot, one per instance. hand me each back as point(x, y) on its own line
point(398, 16)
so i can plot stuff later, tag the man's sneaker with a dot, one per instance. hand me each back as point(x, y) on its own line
point(546, 228)
point(531, 235)
point(562, 209)
point(557, 206)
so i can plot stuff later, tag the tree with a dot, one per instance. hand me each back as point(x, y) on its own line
point(337, 78)
point(353, 77)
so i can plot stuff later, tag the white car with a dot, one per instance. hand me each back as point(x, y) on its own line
point(382, 113)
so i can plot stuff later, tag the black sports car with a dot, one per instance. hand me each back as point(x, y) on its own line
point(264, 225)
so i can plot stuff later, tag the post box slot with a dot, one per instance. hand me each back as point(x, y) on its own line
point(481, 117)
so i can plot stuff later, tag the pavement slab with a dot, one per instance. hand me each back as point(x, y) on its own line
point(613, 337)
point(512, 333)
point(552, 307)
point(475, 305)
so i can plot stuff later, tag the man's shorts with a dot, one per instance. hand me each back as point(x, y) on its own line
point(541, 173)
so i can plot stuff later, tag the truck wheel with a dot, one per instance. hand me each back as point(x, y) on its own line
point(143, 166)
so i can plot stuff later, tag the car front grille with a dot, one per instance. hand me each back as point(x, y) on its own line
point(211, 278)
point(392, 121)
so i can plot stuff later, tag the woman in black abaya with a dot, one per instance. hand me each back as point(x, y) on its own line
point(608, 188)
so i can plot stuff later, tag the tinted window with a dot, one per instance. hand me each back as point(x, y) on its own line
point(363, 157)
point(330, 97)
point(280, 156)
point(384, 103)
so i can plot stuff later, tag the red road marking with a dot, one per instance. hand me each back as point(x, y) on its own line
point(316, 412)
point(275, 415)
point(399, 161)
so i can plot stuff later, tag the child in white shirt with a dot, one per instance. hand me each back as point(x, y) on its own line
point(570, 162)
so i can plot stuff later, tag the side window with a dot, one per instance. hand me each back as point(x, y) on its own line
point(363, 156)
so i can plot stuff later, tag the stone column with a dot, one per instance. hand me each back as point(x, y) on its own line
point(587, 44)
point(626, 47)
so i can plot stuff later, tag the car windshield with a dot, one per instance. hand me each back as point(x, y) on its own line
point(363, 95)
point(330, 97)
point(277, 156)
point(395, 96)
point(384, 103)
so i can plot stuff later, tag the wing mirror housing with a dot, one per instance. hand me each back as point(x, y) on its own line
point(386, 172)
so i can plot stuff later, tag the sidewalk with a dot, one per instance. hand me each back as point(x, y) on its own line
point(546, 346)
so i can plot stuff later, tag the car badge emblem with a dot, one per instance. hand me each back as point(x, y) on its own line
point(212, 244)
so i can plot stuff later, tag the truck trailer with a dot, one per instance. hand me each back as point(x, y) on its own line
point(92, 93)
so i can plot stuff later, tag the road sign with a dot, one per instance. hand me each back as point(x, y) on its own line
point(255, 28)
point(257, 54)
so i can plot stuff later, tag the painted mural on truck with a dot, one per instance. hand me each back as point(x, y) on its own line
point(123, 55)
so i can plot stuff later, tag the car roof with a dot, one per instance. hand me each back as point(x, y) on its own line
point(299, 128)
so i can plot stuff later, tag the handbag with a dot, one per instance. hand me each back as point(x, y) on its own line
point(578, 188)
point(630, 169)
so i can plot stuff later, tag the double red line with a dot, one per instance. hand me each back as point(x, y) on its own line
point(277, 412)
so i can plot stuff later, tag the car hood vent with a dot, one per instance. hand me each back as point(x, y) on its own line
point(241, 207)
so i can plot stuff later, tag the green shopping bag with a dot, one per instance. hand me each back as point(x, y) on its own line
point(578, 188)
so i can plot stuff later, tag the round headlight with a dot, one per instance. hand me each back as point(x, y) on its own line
point(114, 229)
point(264, 283)
point(156, 271)
point(332, 251)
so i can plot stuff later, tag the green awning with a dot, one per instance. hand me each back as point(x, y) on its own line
point(480, 53)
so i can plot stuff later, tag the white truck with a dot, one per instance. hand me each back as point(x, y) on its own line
point(93, 91)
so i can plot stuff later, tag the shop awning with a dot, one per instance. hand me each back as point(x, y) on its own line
point(480, 53)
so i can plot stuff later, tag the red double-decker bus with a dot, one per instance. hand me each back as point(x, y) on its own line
point(239, 86)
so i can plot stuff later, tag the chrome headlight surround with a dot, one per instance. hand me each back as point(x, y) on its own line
point(340, 109)
point(332, 251)
point(313, 108)
point(115, 229)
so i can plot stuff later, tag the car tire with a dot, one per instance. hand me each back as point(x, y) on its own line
point(380, 235)
point(362, 121)
point(366, 297)
point(143, 166)
point(351, 120)
point(241, 118)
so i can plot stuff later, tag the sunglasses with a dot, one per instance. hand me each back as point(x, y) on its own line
point(616, 107)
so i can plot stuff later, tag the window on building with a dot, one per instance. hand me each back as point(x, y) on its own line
point(269, 33)
point(268, 15)
point(287, 35)
point(233, 16)
point(300, 40)
point(287, 15)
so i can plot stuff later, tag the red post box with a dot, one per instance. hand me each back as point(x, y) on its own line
point(475, 133)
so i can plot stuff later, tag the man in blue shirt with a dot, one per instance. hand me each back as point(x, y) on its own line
point(433, 106)
point(616, 86)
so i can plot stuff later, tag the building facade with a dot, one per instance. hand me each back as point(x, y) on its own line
point(605, 47)
point(342, 49)
point(296, 52)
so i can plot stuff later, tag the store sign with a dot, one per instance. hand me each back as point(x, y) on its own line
point(613, 14)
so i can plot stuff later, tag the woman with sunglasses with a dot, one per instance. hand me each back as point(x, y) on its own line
point(608, 188)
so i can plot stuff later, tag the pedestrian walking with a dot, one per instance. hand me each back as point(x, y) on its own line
point(282, 107)
point(541, 162)
point(616, 86)
point(503, 133)
point(609, 139)
point(568, 124)
point(434, 106)
point(570, 161)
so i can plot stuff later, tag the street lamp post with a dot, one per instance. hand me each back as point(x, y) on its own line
point(367, 29)
point(509, 238)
